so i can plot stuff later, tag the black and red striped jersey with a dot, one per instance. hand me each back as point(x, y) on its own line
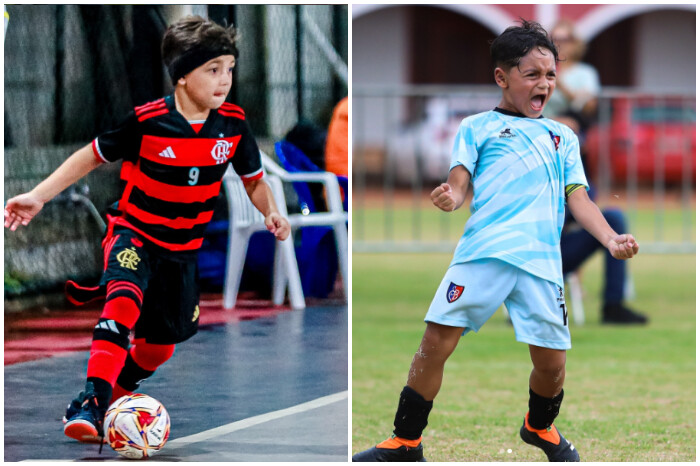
point(171, 174)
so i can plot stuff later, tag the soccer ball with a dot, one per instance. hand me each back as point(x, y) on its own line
point(136, 426)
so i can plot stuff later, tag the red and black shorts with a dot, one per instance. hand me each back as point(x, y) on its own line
point(170, 285)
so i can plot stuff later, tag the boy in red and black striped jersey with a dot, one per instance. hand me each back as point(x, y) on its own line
point(174, 153)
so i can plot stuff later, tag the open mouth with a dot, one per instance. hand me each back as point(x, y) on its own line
point(537, 102)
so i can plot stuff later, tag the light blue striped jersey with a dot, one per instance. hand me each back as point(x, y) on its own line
point(519, 169)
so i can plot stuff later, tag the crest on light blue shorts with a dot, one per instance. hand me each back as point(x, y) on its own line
point(454, 292)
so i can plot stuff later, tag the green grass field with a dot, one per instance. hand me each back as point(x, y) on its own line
point(373, 224)
point(630, 391)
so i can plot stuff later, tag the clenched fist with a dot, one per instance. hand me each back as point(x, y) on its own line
point(443, 198)
point(623, 246)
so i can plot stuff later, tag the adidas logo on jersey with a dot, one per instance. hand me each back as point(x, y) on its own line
point(168, 153)
point(506, 134)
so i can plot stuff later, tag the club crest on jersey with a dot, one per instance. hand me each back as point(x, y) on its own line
point(221, 150)
point(555, 139)
point(454, 292)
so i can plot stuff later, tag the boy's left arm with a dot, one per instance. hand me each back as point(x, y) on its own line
point(588, 215)
point(260, 195)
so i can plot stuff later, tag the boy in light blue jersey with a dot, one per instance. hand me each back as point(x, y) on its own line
point(523, 169)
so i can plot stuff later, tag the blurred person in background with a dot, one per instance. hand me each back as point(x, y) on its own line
point(575, 103)
point(310, 139)
point(337, 140)
point(327, 150)
point(575, 99)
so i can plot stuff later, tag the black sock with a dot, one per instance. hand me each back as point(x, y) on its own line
point(411, 415)
point(543, 410)
point(132, 374)
point(103, 391)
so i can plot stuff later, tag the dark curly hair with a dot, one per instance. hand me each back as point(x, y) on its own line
point(193, 40)
point(517, 41)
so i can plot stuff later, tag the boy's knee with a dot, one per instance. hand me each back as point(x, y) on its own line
point(439, 341)
point(551, 368)
point(549, 363)
point(554, 372)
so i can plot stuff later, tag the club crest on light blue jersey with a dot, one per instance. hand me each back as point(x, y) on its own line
point(555, 140)
point(519, 169)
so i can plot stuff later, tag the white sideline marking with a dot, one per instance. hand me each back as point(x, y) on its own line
point(255, 420)
point(244, 423)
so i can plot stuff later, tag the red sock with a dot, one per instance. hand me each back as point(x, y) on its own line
point(119, 392)
point(150, 356)
point(111, 335)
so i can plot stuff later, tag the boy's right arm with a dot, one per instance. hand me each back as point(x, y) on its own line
point(451, 195)
point(20, 209)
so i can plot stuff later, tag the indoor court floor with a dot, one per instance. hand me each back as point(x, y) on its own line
point(253, 385)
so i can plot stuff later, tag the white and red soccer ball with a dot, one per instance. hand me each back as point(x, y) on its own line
point(136, 426)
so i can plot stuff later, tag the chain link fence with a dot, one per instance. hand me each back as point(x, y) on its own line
point(74, 71)
point(640, 157)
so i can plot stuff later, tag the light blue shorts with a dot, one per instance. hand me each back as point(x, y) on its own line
point(471, 292)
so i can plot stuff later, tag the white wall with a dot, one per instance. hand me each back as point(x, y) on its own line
point(665, 58)
point(379, 47)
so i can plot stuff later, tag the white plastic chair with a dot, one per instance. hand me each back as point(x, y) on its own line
point(336, 217)
point(244, 220)
point(576, 294)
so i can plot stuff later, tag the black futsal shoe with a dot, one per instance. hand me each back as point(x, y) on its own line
point(84, 418)
point(393, 450)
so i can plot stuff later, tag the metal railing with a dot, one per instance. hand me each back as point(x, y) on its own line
point(640, 151)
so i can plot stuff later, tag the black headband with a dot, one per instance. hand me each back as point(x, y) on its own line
point(194, 58)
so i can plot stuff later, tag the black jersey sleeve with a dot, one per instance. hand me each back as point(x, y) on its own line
point(121, 142)
point(246, 161)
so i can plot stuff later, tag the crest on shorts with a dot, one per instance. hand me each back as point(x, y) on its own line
point(221, 150)
point(454, 291)
point(129, 258)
